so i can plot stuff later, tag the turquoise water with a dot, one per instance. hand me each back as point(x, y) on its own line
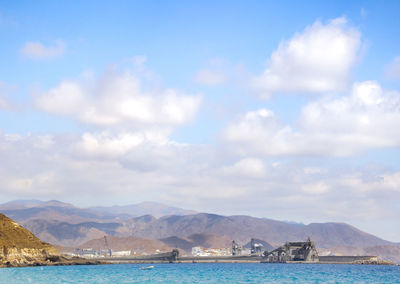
point(204, 273)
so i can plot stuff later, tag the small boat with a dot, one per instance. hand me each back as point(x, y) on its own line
point(146, 267)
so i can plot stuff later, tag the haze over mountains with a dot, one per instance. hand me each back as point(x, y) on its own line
point(33, 208)
point(64, 224)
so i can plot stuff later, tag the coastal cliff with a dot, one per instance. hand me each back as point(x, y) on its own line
point(19, 247)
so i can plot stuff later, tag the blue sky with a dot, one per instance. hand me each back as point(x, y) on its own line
point(198, 104)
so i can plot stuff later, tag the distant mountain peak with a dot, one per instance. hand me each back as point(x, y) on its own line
point(30, 203)
point(144, 208)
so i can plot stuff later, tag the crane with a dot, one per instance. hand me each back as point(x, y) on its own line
point(106, 245)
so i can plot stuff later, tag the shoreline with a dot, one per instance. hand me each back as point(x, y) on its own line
point(241, 260)
point(156, 259)
point(63, 262)
point(92, 262)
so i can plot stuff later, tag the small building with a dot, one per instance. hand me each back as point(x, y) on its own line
point(199, 251)
point(121, 253)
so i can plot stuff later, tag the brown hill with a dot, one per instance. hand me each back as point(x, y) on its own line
point(19, 247)
point(239, 228)
point(265, 246)
point(243, 228)
point(67, 234)
point(195, 240)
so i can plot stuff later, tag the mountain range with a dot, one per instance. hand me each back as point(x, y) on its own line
point(66, 225)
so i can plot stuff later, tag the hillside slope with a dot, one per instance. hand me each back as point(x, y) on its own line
point(242, 228)
point(197, 240)
point(19, 247)
point(239, 228)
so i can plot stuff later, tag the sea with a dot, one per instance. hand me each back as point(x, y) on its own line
point(204, 273)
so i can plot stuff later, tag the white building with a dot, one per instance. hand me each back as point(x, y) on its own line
point(121, 253)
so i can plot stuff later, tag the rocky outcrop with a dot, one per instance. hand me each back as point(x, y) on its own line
point(375, 262)
point(19, 247)
point(27, 256)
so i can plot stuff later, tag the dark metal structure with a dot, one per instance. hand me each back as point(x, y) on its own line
point(294, 251)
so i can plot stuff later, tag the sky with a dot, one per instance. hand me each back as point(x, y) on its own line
point(286, 110)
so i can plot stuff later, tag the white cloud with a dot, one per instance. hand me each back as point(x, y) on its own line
point(36, 50)
point(390, 181)
point(317, 60)
point(106, 145)
point(124, 168)
point(126, 112)
point(393, 69)
point(338, 127)
point(247, 167)
point(315, 188)
point(118, 99)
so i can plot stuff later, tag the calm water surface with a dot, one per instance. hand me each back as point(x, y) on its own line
point(204, 273)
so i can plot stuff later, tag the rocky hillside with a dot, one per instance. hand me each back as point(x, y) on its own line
point(242, 228)
point(19, 247)
point(239, 228)
point(67, 234)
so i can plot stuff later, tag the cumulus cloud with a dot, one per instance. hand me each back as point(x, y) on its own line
point(118, 99)
point(123, 109)
point(50, 167)
point(106, 145)
point(346, 126)
point(247, 167)
point(317, 60)
point(315, 188)
point(37, 50)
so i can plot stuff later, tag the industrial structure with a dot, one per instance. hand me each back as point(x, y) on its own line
point(293, 251)
point(256, 248)
point(290, 252)
point(236, 248)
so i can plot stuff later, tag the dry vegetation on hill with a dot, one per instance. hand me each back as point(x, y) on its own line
point(19, 247)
